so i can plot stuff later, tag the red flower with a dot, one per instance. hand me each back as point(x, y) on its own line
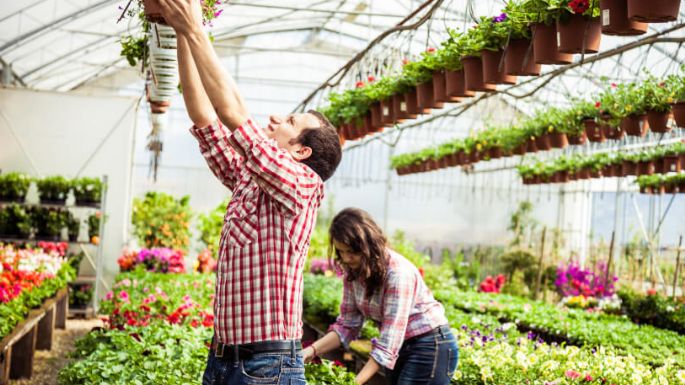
point(579, 6)
point(651, 291)
point(613, 85)
point(371, 79)
point(405, 61)
point(598, 104)
point(588, 378)
point(359, 84)
point(430, 49)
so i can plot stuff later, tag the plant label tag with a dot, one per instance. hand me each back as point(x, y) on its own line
point(606, 17)
point(403, 106)
point(673, 167)
point(558, 38)
point(386, 111)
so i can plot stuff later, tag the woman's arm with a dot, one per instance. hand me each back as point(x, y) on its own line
point(325, 344)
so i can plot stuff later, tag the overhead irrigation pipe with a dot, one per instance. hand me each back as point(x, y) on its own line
point(463, 107)
point(399, 27)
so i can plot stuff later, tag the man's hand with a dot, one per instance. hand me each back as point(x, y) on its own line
point(182, 15)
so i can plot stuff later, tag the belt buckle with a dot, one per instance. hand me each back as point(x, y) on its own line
point(219, 350)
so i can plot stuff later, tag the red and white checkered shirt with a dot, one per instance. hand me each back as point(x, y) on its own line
point(404, 307)
point(265, 237)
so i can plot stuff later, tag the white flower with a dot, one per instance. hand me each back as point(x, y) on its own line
point(457, 375)
point(681, 376)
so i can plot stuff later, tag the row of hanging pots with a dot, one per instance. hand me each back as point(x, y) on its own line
point(668, 188)
point(636, 125)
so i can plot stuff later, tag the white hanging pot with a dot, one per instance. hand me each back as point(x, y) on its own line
point(164, 36)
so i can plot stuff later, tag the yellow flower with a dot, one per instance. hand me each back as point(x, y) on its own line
point(457, 375)
point(478, 147)
point(681, 376)
point(629, 108)
point(550, 128)
point(670, 100)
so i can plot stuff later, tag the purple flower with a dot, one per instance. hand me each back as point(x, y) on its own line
point(498, 19)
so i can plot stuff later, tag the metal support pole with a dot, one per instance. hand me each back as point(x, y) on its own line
point(677, 267)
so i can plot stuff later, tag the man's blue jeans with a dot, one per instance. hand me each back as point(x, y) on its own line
point(261, 369)
point(429, 360)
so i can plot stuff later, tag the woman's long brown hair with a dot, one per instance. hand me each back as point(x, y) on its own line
point(355, 229)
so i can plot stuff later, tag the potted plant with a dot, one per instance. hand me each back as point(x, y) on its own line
point(656, 99)
point(53, 189)
point(645, 163)
point(629, 106)
point(87, 191)
point(73, 226)
point(673, 158)
point(518, 52)
point(15, 222)
point(573, 121)
point(629, 165)
point(615, 20)
point(490, 35)
point(676, 85)
point(13, 187)
point(542, 20)
point(578, 25)
point(455, 84)
point(49, 222)
point(609, 115)
point(472, 45)
point(94, 227)
point(417, 74)
point(653, 11)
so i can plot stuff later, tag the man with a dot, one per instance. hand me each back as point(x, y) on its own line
point(276, 176)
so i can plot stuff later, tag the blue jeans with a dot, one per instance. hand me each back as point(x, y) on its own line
point(261, 369)
point(429, 360)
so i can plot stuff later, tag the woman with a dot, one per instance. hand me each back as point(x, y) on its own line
point(415, 345)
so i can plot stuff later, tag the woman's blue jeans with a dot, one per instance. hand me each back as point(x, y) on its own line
point(429, 360)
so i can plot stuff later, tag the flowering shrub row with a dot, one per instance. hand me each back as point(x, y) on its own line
point(156, 260)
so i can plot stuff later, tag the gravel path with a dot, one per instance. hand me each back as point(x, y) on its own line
point(46, 364)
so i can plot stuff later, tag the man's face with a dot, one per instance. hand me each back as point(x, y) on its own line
point(286, 129)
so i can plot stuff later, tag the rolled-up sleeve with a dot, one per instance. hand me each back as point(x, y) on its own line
point(220, 156)
point(398, 301)
point(350, 320)
point(288, 181)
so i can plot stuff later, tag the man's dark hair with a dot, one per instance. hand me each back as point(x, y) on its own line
point(325, 145)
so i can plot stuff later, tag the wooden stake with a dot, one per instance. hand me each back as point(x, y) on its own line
point(611, 258)
point(542, 256)
point(677, 266)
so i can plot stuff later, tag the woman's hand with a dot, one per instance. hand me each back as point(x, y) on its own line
point(308, 354)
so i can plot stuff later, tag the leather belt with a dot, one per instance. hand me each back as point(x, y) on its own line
point(234, 353)
point(442, 330)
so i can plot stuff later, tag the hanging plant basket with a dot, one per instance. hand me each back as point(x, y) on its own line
point(577, 140)
point(439, 87)
point(531, 145)
point(164, 36)
point(628, 167)
point(387, 112)
point(611, 132)
point(412, 104)
point(635, 125)
point(593, 131)
point(364, 126)
point(399, 107)
point(579, 34)
point(473, 74)
point(545, 50)
point(658, 121)
point(615, 21)
point(153, 11)
point(519, 60)
point(671, 163)
point(455, 85)
point(558, 139)
point(543, 142)
point(645, 168)
point(425, 99)
point(520, 149)
point(491, 68)
point(608, 171)
point(679, 113)
point(595, 174)
point(474, 156)
point(376, 117)
point(495, 152)
point(653, 11)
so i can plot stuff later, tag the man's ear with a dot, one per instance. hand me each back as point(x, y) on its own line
point(302, 153)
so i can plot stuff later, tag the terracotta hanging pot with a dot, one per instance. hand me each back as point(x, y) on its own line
point(608, 171)
point(425, 99)
point(653, 11)
point(596, 174)
point(495, 152)
point(543, 142)
point(520, 149)
point(577, 140)
point(531, 145)
point(455, 85)
point(153, 11)
point(412, 104)
point(671, 163)
point(387, 112)
point(376, 117)
point(462, 157)
point(658, 121)
point(365, 125)
point(579, 34)
point(558, 139)
point(669, 189)
point(628, 167)
point(593, 131)
point(545, 50)
point(563, 176)
point(635, 125)
point(399, 108)
point(611, 132)
point(645, 168)
point(473, 74)
point(452, 160)
point(615, 21)
point(679, 113)
point(519, 60)
point(491, 68)
point(439, 87)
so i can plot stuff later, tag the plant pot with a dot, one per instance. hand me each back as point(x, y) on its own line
point(610, 132)
point(558, 139)
point(49, 238)
point(412, 106)
point(365, 126)
point(678, 110)
point(670, 189)
point(519, 60)
point(473, 74)
point(56, 202)
point(387, 112)
point(474, 157)
point(87, 203)
point(491, 68)
point(671, 163)
point(424, 98)
point(593, 131)
point(645, 168)
point(608, 171)
point(596, 174)
point(615, 21)
point(545, 50)
point(455, 85)
point(399, 107)
point(452, 160)
point(628, 167)
point(376, 117)
point(583, 174)
point(543, 142)
point(495, 152)
point(531, 145)
point(579, 34)
point(635, 125)
point(157, 107)
point(520, 149)
point(153, 11)
point(563, 176)
point(658, 121)
point(532, 180)
point(439, 87)
point(653, 11)
point(577, 140)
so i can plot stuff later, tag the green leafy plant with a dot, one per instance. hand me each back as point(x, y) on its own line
point(15, 221)
point(53, 188)
point(13, 186)
point(87, 190)
point(49, 221)
point(656, 96)
point(210, 226)
point(134, 49)
point(160, 220)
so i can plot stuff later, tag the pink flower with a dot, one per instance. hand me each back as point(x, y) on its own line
point(359, 84)
point(123, 295)
point(217, 13)
point(572, 374)
point(430, 49)
point(588, 378)
point(371, 79)
point(109, 296)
